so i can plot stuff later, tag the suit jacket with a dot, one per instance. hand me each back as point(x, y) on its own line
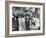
point(15, 25)
point(27, 25)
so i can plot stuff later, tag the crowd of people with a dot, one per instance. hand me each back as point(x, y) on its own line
point(24, 22)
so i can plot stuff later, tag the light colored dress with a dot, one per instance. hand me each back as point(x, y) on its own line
point(37, 23)
point(21, 24)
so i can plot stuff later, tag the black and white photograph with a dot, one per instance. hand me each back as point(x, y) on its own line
point(25, 18)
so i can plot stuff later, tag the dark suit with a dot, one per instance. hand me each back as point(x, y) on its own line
point(27, 25)
point(15, 25)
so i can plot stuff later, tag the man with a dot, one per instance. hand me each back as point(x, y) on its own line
point(27, 22)
point(14, 24)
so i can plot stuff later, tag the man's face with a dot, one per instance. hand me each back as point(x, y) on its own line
point(27, 17)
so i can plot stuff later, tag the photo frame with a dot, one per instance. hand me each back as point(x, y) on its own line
point(23, 10)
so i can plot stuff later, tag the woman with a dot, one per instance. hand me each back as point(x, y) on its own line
point(21, 23)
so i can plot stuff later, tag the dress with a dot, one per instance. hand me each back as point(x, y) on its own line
point(21, 24)
point(37, 23)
